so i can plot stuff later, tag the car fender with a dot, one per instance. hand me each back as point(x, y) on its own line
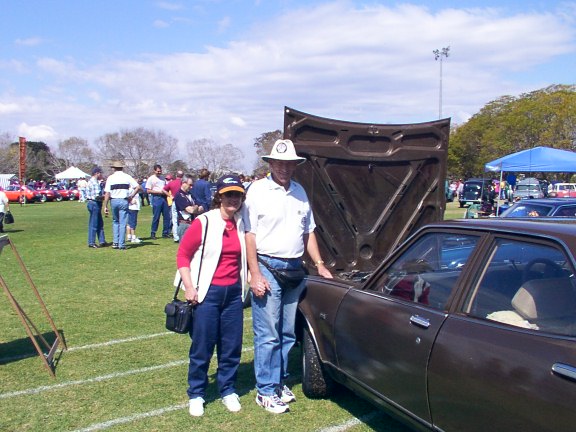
point(317, 310)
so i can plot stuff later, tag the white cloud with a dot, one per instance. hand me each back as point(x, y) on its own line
point(32, 41)
point(36, 132)
point(370, 64)
point(160, 24)
point(9, 108)
point(171, 6)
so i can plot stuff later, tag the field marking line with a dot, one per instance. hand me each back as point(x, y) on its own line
point(100, 378)
point(100, 344)
point(132, 418)
point(355, 421)
point(161, 411)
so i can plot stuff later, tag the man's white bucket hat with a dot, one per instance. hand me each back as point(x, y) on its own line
point(283, 150)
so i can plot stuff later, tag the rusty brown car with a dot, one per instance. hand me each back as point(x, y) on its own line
point(465, 325)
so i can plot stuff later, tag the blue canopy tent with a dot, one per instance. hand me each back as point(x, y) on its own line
point(537, 159)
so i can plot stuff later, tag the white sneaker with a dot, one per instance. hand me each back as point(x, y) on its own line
point(272, 403)
point(196, 407)
point(286, 395)
point(232, 402)
point(136, 240)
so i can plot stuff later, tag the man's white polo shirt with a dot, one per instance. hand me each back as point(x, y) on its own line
point(278, 217)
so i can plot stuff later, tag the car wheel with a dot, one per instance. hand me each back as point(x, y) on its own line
point(59, 198)
point(43, 198)
point(71, 197)
point(315, 382)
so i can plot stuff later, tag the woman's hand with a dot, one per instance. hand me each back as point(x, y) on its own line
point(191, 294)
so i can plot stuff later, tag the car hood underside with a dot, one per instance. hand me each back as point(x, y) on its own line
point(370, 185)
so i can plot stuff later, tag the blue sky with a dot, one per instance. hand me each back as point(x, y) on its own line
point(224, 70)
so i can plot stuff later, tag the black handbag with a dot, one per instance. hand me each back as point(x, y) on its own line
point(289, 278)
point(179, 314)
point(8, 218)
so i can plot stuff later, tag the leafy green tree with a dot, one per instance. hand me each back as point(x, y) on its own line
point(545, 117)
point(263, 145)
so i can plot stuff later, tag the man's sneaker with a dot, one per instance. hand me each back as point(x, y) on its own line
point(286, 395)
point(272, 403)
point(196, 407)
point(114, 245)
point(232, 402)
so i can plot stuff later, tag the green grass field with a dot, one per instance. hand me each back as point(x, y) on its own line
point(123, 371)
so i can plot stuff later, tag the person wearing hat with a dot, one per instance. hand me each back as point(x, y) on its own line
point(94, 197)
point(279, 229)
point(211, 262)
point(119, 190)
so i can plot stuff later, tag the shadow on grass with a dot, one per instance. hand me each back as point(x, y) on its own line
point(358, 407)
point(23, 348)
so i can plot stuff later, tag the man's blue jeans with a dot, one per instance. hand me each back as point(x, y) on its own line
point(217, 323)
point(160, 207)
point(119, 219)
point(95, 222)
point(273, 321)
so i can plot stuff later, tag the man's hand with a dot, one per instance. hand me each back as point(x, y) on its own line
point(259, 284)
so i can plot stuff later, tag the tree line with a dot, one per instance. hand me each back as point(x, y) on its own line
point(545, 117)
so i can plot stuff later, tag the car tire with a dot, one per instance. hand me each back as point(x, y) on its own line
point(43, 198)
point(315, 382)
point(71, 197)
point(59, 198)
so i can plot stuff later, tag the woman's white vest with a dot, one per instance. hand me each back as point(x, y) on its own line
point(205, 260)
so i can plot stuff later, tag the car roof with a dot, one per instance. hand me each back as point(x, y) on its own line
point(562, 229)
point(548, 201)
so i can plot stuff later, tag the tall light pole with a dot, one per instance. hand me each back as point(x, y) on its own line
point(438, 54)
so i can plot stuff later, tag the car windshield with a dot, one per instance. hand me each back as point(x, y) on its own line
point(530, 210)
point(472, 187)
point(527, 187)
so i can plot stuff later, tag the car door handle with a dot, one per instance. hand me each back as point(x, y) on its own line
point(564, 370)
point(419, 321)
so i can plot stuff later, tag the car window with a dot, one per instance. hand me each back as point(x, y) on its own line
point(527, 285)
point(427, 271)
point(566, 211)
point(523, 210)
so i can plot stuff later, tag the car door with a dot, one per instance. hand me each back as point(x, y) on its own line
point(507, 360)
point(384, 333)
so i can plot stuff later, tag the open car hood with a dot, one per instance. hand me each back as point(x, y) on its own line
point(370, 185)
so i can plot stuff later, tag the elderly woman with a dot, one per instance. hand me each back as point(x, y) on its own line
point(211, 261)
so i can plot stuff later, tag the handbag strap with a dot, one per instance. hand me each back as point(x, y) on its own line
point(203, 247)
point(201, 259)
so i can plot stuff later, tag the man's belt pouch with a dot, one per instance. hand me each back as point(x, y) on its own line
point(289, 278)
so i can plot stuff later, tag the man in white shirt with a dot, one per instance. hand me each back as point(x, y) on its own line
point(279, 228)
point(159, 200)
point(4, 207)
point(120, 189)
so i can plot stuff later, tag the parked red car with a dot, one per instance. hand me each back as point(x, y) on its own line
point(28, 195)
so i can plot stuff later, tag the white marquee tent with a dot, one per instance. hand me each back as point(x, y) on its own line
point(71, 173)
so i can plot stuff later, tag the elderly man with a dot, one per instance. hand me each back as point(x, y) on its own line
point(279, 229)
point(120, 188)
point(186, 208)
